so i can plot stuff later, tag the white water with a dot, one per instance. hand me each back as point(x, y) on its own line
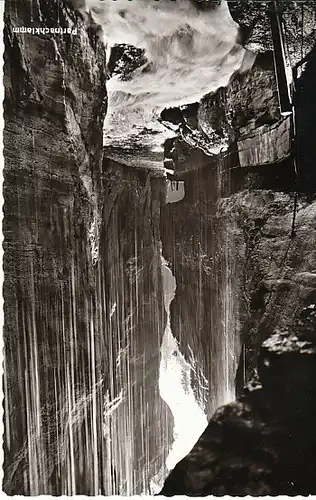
point(191, 53)
point(175, 191)
point(175, 385)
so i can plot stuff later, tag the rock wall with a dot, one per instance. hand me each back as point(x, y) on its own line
point(140, 428)
point(55, 101)
point(278, 272)
point(72, 226)
point(263, 443)
point(208, 257)
point(83, 285)
point(204, 312)
point(247, 112)
point(255, 161)
point(255, 31)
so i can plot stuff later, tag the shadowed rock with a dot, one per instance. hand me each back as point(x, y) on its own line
point(264, 443)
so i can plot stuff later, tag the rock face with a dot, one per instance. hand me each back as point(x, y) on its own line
point(254, 167)
point(249, 118)
point(124, 59)
point(240, 125)
point(207, 252)
point(264, 443)
point(83, 287)
point(278, 274)
point(77, 231)
point(298, 21)
point(138, 432)
point(52, 147)
point(204, 313)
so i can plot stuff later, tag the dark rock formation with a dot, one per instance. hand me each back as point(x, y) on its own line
point(278, 272)
point(83, 286)
point(53, 128)
point(263, 444)
point(306, 109)
point(81, 241)
point(298, 20)
point(124, 59)
point(206, 4)
point(134, 323)
point(207, 251)
point(239, 125)
point(253, 170)
point(247, 118)
point(206, 264)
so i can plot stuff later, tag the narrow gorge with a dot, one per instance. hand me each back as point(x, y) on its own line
point(159, 249)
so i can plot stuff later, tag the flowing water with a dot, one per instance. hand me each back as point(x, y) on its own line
point(175, 385)
point(189, 53)
point(96, 364)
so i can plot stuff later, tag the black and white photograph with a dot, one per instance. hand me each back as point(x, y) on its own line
point(159, 248)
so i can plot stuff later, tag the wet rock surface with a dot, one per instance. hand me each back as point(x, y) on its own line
point(134, 323)
point(277, 277)
point(124, 59)
point(53, 121)
point(205, 259)
point(237, 125)
point(253, 18)
point(254, 204)
point(83, 290)
point(264, 443)
point(82, 253)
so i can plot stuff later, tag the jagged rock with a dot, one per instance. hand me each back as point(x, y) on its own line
point(243, 120)
point(73, 227)
point(206, 4)
point(264, 443)
point(247, 111)
point(81, 250)
point(306, 110)
point(269, 254)
point(130, 268)
point(169, 163)
point(239, 124)
point(183, 114)
point(287, 366)
point(55, 102)
point(298, 25)
point(278, 270)
point(124, 59)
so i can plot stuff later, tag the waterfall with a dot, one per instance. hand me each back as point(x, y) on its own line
point(93, 357)
point(186, 53)
point(189, 53)
point(175, 385)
